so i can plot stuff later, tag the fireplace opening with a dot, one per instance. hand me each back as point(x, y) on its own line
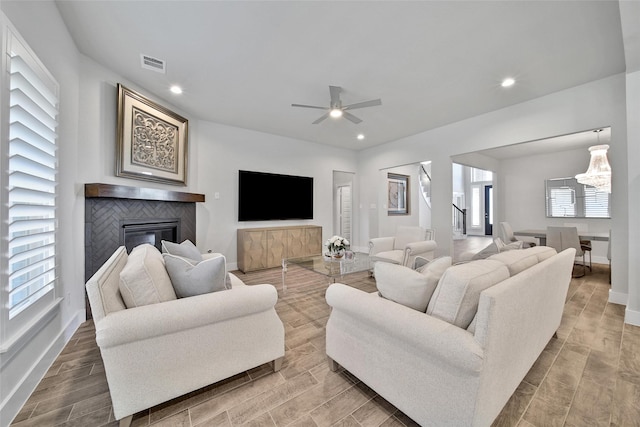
point(152, 231)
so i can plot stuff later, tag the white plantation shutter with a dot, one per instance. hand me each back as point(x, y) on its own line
point(32, 170)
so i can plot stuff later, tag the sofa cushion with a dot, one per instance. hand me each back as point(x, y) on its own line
point(516, 261)
point(542, 252)
point(410, 287)
point(395, 256)
point(456, 297)
point(144, 279)
point(185, 249)
point(190, 278)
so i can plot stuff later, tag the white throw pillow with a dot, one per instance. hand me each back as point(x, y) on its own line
point(409, 287)
point(456, 298)
point(185, 249)
point(190, 278)
point(144, 279)
point(503, 247)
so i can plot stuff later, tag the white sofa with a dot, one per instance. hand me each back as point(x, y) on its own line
point(441, 374)
point(154, 353)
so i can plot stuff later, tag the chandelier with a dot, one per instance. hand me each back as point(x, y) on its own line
point(599, 172)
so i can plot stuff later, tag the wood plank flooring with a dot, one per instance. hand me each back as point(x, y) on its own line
point(588, 376)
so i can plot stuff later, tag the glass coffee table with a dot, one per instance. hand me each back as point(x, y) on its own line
point(354, 262)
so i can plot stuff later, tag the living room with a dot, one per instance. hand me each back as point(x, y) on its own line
point(87, 138)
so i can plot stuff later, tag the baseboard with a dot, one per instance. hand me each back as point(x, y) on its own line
point(632, 317)
point(618, 297)
point(20, 394)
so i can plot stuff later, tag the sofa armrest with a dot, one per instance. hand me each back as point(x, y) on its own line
point(381, 244)
point(139, 323)
point(433, 337)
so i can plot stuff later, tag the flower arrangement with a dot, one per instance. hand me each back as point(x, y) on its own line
point(336, 244)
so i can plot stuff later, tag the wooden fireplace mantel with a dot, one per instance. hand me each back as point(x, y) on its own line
point(125, 192)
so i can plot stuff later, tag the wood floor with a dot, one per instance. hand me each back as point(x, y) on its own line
point(588, 376)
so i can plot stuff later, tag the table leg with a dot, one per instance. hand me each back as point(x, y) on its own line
point(284, 275)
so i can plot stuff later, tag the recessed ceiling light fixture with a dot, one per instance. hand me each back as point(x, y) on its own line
point(335, 113)
point(507, 82)
point(360, 136)
point(176, 89)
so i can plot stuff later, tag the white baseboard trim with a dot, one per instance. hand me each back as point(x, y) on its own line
point(20, 394)
point(632, 317)
point(618, 297)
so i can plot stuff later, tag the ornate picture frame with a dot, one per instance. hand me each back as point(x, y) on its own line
point(152, 140)
point(397, 194)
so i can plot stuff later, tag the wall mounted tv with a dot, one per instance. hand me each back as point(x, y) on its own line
point(267, 196)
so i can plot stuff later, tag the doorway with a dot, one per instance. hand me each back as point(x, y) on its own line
point(488, 210)
point(343, 204)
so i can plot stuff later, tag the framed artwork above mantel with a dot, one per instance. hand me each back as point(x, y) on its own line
point(152, 140)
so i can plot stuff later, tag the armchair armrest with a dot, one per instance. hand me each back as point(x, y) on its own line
point(209, 255)
point(416, 330)
point(381, 244)
point(139, 323)
point(417, 248)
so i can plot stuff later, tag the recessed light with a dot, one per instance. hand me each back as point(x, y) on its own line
point(335, 113)
point(507, 82)
point(176, 89)
point(360, 136)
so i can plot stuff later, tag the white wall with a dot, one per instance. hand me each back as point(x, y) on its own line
point(389, 223)
point(596, 104)
point(22, 366)
point(223, 150)
point(522, 188)
point(633, 159)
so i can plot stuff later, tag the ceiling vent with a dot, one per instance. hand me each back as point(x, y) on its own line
point(151, 63)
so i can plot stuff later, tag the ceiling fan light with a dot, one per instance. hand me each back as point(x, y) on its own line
point(335, 113)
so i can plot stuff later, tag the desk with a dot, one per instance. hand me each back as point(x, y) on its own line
point(583, 235)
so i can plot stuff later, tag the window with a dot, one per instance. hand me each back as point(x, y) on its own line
point(29, 153)
point(568, 198)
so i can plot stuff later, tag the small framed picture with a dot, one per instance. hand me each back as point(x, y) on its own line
point(152, 140)
point(398, 194)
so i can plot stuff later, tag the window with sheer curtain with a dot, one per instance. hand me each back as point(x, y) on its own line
point(29, 153)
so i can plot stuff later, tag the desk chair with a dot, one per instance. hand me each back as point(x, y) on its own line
point(561, 238)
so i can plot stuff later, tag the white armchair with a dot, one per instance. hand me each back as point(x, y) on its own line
point(403, 248)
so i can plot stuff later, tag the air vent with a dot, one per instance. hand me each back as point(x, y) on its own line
point(151, 63)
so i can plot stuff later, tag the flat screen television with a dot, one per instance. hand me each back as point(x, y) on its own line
point(267, 196)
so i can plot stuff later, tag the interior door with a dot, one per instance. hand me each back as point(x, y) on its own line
point(344, 209)
point(488, 210)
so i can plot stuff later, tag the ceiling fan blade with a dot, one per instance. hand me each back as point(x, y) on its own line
point(309, 106)
point(324, 116)
point(371, 103)
point(351, 117)
point(335, 95)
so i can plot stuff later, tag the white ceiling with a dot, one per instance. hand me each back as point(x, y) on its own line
point(243, 63)
point(550, 145)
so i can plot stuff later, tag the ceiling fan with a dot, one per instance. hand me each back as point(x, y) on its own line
point(336, 109)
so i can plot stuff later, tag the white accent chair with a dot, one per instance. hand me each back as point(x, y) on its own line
point(508, 236)
point(561, 238)
point(403, 248)
point(154, 353)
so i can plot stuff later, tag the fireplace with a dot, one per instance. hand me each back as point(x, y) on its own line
point(139, 231)
point(117, 215)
